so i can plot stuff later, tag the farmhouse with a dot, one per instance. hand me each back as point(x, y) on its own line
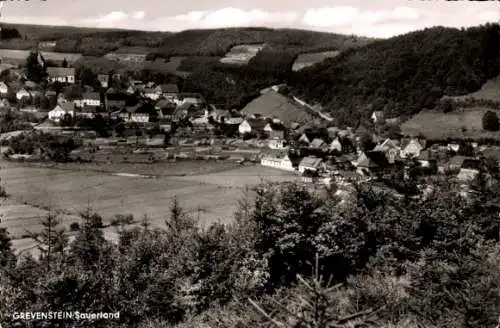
point(336, 145)
point(427, 158)
point(90, 99)
point(60, 110)
point(318, 144)
point(4, 89)
point(412, 148)
point(310, 176)
point(280, 163)
point(152, 94)
point(277, 144)
point(252, 126)
point(169, 91)
point(86, 111)
point(454, 164)
point(310, 163)
point(371, 162)
point(469, 170)
point(22, 93)
point(275, 130)
point(390, 148)
point(61, 74)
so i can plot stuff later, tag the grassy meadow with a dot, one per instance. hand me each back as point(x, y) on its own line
point(211, 195)
point(461, 123)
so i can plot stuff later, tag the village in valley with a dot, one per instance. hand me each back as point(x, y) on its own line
point(164, 122)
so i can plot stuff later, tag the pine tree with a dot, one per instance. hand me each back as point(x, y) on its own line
point(6, 253)
point(64, 63)
point(51, 240)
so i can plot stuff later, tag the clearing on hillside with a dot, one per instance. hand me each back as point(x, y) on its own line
point(23, 54)
point(241, 54)
point(489, 91)
point(273, 104)
point(462, 123)
point(309, 59)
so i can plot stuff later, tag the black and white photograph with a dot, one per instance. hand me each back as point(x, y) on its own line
point(249, 164)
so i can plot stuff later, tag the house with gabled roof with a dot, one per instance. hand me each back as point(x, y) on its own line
point(391, 149)
point(371, 162)
point(169, 91)
point(86, 111)
point(60, 110)
point(275, 130)
point(469, 170)
point(91, 99)
point(427, 158)
point(250, 125)
point(61, 74)
point(4, 89)
point(336, 145)
point(412, 148)
point(318, 144)
point(22, 93)
point(310, 163)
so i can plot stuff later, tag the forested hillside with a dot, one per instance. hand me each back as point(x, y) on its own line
point(404, 74)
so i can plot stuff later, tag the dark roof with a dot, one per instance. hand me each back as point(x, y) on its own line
point(88, 109)
point(456, 161)
point(91, 95)
point(373, 159)
point(256, 123)
point(169, 88)
point(60, 71)
point(277, 127)
point(426, 155)
point(471, 164)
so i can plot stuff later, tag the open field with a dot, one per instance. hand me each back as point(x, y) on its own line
point(241, 54)
point(273, 104)
point(309, 59)
point(489, 91)
point(23, 54)
point(462, 123)
point(210, 196)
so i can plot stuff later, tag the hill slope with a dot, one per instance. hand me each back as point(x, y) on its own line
point(217, 42)
point(273, 104)
point(209, 42)
point(404, 74)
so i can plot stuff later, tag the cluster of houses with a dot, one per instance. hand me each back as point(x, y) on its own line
point(343, 153)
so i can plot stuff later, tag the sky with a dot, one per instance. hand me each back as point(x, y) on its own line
point(380, 18)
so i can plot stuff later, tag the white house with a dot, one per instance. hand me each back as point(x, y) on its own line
point(309, 163)
point(278, 144)
point(412, 149)
point(91, 99)
point(469, 170)
point(60, 110)
point(4, 89)
point(279, 163)
point(335, 145)
point(22, 93)
point(251, 125)
point(152, 94)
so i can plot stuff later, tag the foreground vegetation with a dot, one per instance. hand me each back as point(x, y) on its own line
point(398, 261)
